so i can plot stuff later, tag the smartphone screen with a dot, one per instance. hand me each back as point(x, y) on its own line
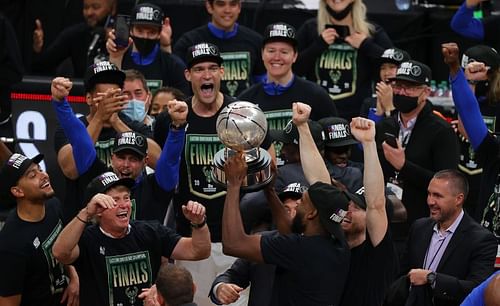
point(390, 139)
point(342, 30)
point(121, 31)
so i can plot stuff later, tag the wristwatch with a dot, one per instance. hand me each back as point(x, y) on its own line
point(431, 278)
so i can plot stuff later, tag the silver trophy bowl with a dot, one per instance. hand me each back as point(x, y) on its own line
point(242, 127)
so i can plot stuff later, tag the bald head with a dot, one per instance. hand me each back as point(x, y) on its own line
point(492, 292)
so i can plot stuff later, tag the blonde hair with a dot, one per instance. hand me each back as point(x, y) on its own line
point(359, 22)
point(494, 92)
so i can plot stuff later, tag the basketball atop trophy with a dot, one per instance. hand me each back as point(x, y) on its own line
point(242, 127)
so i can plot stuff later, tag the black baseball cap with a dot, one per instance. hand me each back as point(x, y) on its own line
point(337, 132)
point(290, 134)
point(332, 205)
point(147, 14)
point(103, 73)
point(104, 182)
point(413, 71)
point(358, 197)
point(292, 191)
point(481, 53)
point(280, 31)
point(394, 56)
point(203, 52)
point(131, 141)
point(13, 169)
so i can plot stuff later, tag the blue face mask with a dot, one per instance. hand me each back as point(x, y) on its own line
point(136, 110)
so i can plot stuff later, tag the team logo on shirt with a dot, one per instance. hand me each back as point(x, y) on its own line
point(127, 275)
point(236, 76)
point(336, 70)
point(56, 270)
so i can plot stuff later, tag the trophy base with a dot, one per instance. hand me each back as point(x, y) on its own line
point(258, 173)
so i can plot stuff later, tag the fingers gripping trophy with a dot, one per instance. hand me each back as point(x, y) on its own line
point(242, 127)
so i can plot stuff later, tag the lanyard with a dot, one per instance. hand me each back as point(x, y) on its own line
point(435, 254)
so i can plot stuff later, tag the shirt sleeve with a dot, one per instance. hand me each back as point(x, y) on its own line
point(280, 250)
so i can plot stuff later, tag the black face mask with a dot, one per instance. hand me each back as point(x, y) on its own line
point(340, 15)
point(144, 46)
point(404, 104)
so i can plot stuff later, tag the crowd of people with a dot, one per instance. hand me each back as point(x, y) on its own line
point(376, 198)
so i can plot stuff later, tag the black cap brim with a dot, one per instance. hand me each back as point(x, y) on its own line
point(336, 144)
point(132, 149)
point(407, 79)
point(202, 59)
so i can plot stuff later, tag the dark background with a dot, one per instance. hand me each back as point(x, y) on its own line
point(420, 30)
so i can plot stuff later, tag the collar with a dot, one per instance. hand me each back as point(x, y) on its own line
point(111, 236)
point(453, 226)
point(410, 125)
point(221, 34)
point(274, 89)
point(145, 60)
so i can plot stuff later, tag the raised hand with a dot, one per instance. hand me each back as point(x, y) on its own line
point(236, 169)
point(38, 36)
point(99, 203)
point(363, 129)
point(116, 53)
point(301, 113)
point(60, 88)
point(109, 103)
point(194, 212)
point(450, 53)
point(178, 111)
point(166, 36)
point(476, 71)
point(384, 97)
point(355, 39)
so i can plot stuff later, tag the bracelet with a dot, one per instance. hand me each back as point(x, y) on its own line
point(199, 225)
point(83, 221)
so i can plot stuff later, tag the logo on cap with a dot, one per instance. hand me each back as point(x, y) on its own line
point(130, 138)
point(337, 131)
point(103, 66)
point(203, 49)
point(416, 71)
point(393, 54)
point(338, 215)
point(147, 13)
point(281, 30)
point(16, 160)
point(108, 178)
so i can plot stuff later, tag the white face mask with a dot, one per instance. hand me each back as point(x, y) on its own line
point(136, 110)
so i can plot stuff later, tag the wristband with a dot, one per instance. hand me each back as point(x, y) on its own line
point(83, 221)
point(199, 225)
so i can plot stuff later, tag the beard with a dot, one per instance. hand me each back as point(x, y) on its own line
point(297, 225)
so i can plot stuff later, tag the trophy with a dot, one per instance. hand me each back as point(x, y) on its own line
point(241, 127)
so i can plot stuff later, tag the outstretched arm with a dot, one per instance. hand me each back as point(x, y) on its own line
point(464, 23)
point(312, 162)
point(235, 241)
point(373, 179)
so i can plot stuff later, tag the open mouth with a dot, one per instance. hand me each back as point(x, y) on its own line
point(125, 174)
point(122, 214)
point(207, 89)
point(45, 184)
point(346, 220)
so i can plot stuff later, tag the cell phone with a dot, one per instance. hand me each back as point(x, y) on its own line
point(122, 31)
point(342, 30)
point(390, 139)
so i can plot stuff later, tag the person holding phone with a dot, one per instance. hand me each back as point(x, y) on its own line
point(338, 49)
point(141, 51)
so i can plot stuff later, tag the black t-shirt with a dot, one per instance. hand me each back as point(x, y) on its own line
point(371, 272)
point(114, 271)
point(195, 182)
point(72, 42)
point(165, 70)
point(26, 262)
point(344, 71)
point(241, 54)
point(311, 270)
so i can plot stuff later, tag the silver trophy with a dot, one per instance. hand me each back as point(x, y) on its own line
point(241, 127)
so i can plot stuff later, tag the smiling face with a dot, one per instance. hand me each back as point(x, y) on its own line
point(34, 185)
point(355, 220)
point(387, 71)
point(338, 156)
point(278, 58)
point(95, 11)
point(127, 165)
point(444, 202)
point(224, 13)
point(205, 81)
point(116, 220)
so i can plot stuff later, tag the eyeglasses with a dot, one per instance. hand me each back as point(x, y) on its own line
point(406, 88)
point(200, 70)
